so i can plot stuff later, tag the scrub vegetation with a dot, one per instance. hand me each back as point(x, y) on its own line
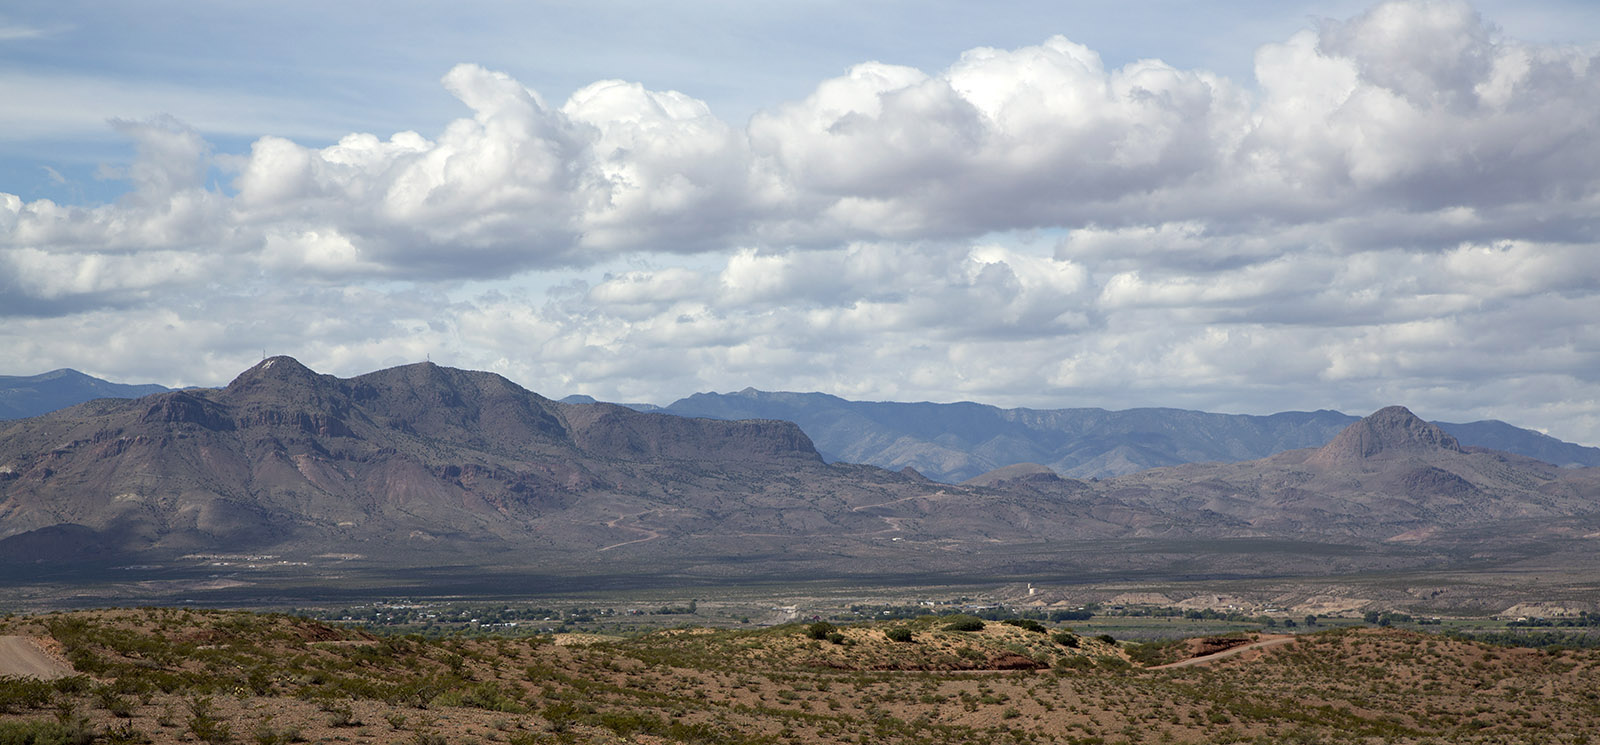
point(169, 675)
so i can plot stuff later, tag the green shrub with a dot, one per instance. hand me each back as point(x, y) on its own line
point(204, 724)
point(72, 684)
point(963, 622)
point(125, 734)
point(492, 697)
point(898, 634)
point(341, 714)
point(43, 732)
point(1074, 662)
point(1111, 662)
point(1155, 653)
point(1066, 639)
point(24, 693)
point(1026, 624)
point(820, 630)
point(267, 735)
point(1107, 638)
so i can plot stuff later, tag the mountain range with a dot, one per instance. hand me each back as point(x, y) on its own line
point(31, 395)
point(955, 442)
point(423, 465)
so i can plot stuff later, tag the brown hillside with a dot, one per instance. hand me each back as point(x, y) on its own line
point(168, 676)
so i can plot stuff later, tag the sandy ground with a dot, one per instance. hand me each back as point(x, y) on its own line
point(1263, 644)
point(21, 656)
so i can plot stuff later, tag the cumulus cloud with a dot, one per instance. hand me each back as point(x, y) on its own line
point(1416, 109)
point(1398, 208)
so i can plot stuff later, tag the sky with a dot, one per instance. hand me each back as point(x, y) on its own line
point(1242, 207)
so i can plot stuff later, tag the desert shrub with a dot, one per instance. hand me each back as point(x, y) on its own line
point(204, 724)
point(109, 699)
point(341, 714)
point(898, 634)
point(259, 680)
point(963, 622)
point(125, 734)
point(72, 684)
point(1107, 638)
point(267, 735)
point(1026, 624)
point(44, 732)
point(24, 693)
point(1155, 653)
point(1073, 662)
point(1112, 662)
point(1066, 639)
point(492, 697)
point(820, 630)
point(836, 638)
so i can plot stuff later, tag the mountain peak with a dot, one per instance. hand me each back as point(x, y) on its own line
point(62, 373)
point(1392, 429)
point(277, 377)
point(279, 366)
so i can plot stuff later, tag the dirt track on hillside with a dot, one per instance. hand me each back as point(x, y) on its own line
point(21, 656)
point(1263, 644)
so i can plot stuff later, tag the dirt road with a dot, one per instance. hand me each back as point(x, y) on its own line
point(20, 656)
point(1276, 641)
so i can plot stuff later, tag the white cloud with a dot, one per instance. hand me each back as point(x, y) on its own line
point(1399, 209)
point(1347, 123)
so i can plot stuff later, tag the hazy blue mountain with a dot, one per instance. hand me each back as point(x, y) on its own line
point(23, 396)
point(581, 398)
point(1497, 435)
point(955, 442)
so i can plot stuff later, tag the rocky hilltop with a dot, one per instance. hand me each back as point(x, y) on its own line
point(1389, 476)
point(415, 452)
point(1390, 432)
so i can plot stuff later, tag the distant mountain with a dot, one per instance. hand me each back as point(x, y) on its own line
point(579, 398)
point(1388, 477)
point(31, 395)
point(955, 442)
point(399, 459)
point(1497, 435)
point(424, 466)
